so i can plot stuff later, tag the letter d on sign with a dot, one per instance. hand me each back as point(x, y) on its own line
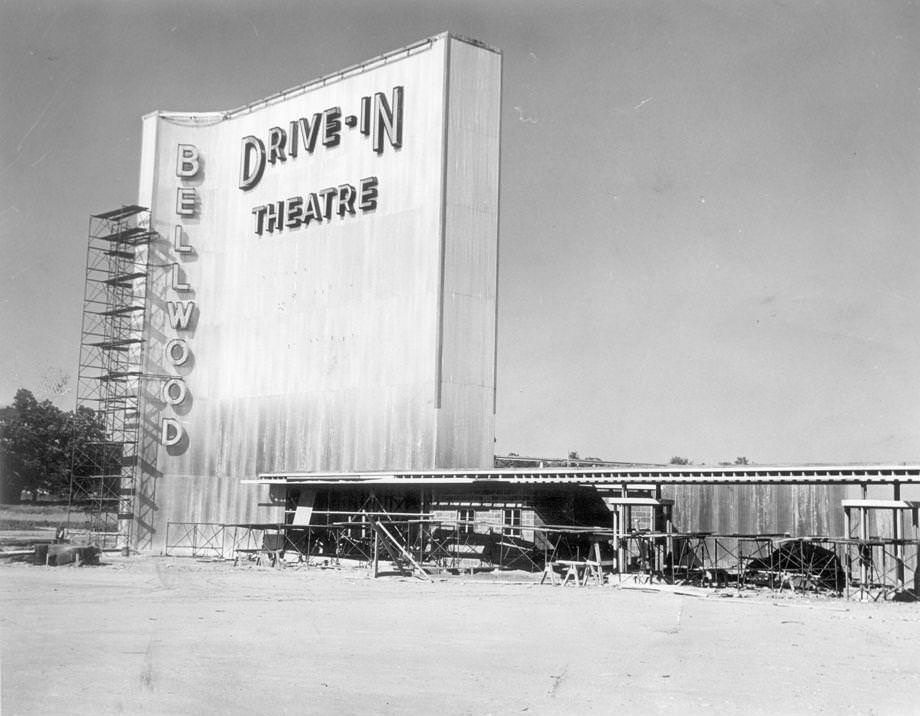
point(252, 162)
point(170, 432)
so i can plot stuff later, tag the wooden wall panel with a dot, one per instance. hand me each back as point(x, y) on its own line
point(802, 510)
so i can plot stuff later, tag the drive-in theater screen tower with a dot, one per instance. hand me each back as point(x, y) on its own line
point(321, 290)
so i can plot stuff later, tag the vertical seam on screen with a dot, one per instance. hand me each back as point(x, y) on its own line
point(439, 349)
point(498, 216)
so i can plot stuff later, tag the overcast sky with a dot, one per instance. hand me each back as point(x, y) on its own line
point(709, 210)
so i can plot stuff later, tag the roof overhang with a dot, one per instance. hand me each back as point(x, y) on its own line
point(600, 477)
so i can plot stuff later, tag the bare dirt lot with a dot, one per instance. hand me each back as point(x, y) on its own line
point(179, 636)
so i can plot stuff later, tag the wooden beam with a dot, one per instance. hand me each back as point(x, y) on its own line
point(637, 501)
point(882, 504)
point(391, 543)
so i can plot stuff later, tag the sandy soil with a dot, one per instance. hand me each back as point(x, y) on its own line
point(178, 636)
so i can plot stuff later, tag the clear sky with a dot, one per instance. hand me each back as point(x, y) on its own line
point(709, 210)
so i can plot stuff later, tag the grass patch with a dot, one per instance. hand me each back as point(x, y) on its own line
point(42, 514)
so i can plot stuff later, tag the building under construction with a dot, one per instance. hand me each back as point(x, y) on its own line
point(291, 341)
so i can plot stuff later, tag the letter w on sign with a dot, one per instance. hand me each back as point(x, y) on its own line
point(180, 313)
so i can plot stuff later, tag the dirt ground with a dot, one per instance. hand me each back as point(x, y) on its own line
point(180, 636)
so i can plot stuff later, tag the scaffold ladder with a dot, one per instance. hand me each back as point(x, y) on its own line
point(110, 373)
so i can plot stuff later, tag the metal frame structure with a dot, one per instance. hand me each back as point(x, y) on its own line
point(110, 374)
point(882, 568)
point(886, 566)
point(419, 543)
point(421, 546)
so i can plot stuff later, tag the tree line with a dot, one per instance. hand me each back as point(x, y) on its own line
point(42, 446)
point(679, 460)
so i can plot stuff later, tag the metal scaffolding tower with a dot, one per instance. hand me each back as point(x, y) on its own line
point(109, 383)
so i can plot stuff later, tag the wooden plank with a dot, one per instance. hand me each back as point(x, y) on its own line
point(881, 504)
point(304, 510)
point(637, 501)
point(391, 543)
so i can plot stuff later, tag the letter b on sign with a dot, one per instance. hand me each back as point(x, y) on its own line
point(187, 163)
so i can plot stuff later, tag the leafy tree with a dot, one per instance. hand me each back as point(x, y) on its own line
point(91, 455)
point(33, 447)
point(678, 460)
point(738, 461)
point(38, 444)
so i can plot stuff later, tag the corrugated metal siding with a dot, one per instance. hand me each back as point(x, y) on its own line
point(466, 420)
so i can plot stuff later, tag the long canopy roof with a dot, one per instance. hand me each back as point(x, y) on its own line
point(599, 476)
